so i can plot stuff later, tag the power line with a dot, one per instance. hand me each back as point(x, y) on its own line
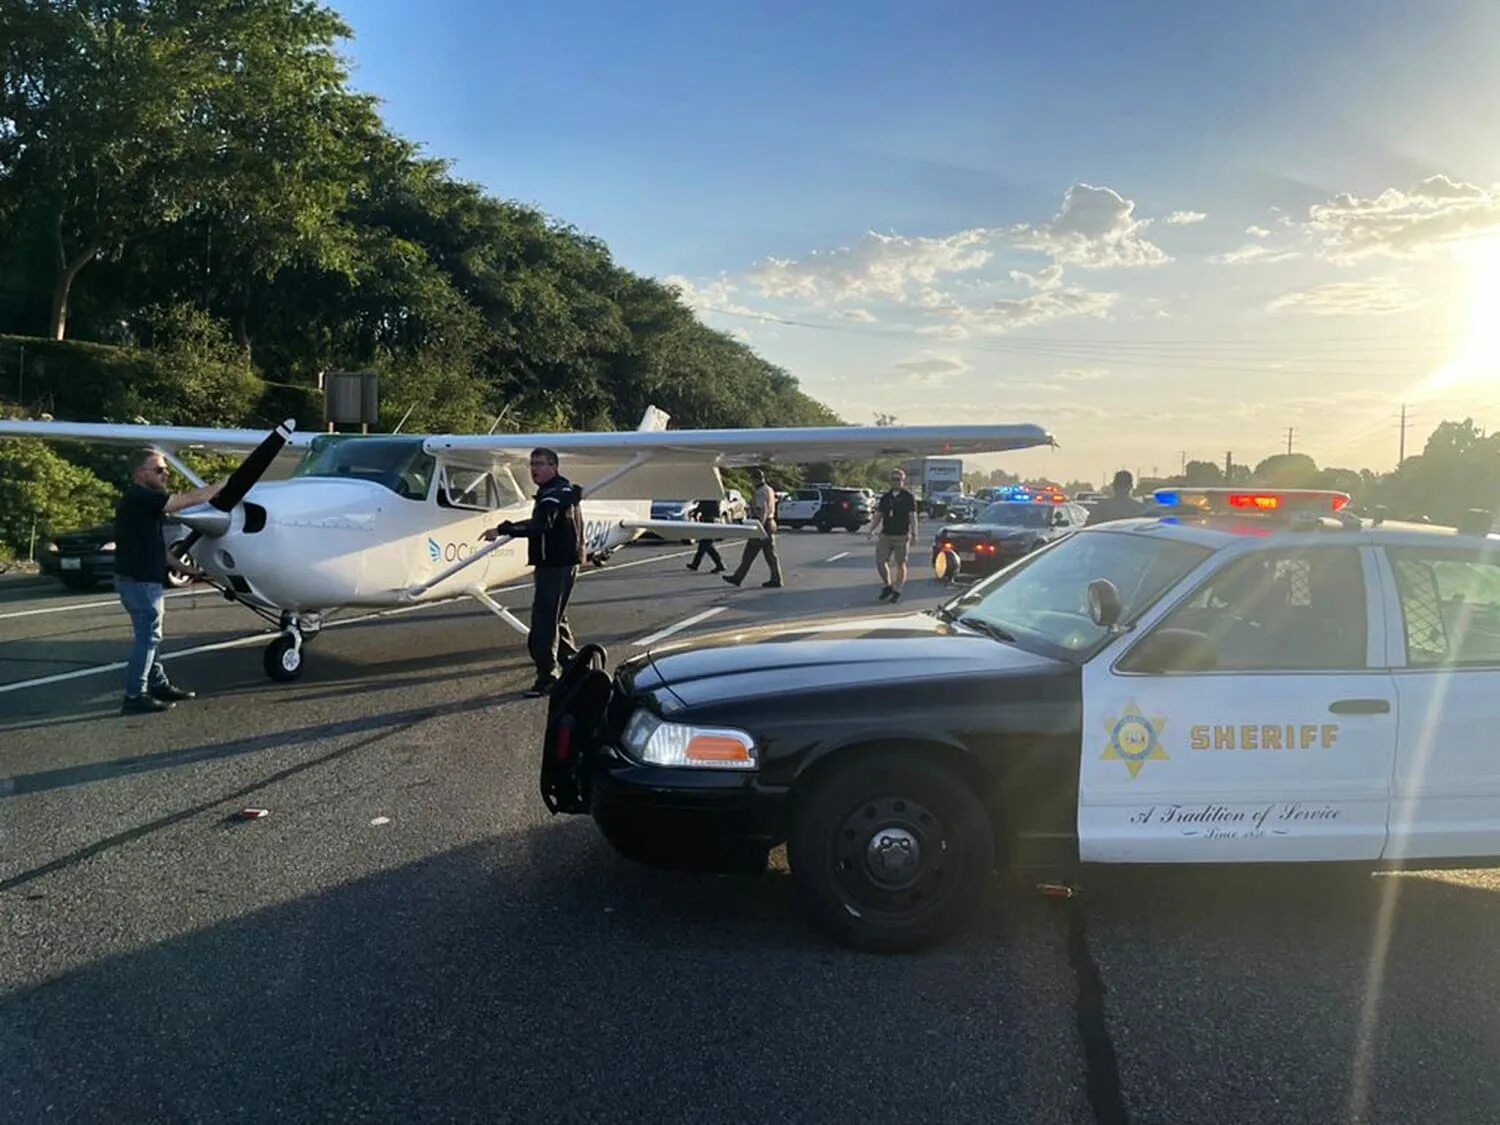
point(1098, 352)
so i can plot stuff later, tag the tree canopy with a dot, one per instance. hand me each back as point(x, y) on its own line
point(208, 163)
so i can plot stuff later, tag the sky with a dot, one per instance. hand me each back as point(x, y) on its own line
point(1165, 231)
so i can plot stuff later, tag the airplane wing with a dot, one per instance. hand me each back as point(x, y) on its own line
point(171, 438)
point(665, 462)
point(686, 462)
point(689, 529)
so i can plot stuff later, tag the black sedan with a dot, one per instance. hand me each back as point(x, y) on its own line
point(85, 559)
point(1004, 532)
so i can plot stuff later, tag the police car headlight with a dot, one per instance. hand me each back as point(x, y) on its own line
point(661, 743)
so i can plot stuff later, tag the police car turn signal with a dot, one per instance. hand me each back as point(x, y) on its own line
point(660, 743)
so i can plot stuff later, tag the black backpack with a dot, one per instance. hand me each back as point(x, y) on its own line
point(577, 710)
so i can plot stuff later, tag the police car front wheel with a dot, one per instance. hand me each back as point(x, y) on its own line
point(890, 852)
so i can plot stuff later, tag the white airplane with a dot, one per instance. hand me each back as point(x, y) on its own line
point(391, 519)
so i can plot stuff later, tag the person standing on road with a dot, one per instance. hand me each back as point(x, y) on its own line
point(706, 511)
point(1120, 506)
point(763, 511)
point(896, 522)
point(141, 576)
point(554, 544)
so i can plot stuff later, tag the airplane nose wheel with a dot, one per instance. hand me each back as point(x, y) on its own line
point(283, 658)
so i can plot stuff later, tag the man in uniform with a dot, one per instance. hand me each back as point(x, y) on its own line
point(554, 536)
point(896, 522)
point(763, 511)
point(141, 576)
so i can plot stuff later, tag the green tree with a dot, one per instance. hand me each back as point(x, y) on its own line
point(119, 117)
point(1202, 474)
point(41, 491)
point(1287, 470)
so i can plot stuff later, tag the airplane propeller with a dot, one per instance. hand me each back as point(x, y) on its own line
point(213, 518)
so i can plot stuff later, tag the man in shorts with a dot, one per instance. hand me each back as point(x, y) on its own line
point(896, 524)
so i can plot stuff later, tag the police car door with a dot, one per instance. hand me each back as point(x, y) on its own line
point(1445, 652)
point(1249, 720)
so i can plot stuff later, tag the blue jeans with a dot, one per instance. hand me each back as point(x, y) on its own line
point(143, 601)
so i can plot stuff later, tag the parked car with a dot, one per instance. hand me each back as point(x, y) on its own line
point(733, 508)
point(825, 507)
point(82, 560)
point(1004, 532)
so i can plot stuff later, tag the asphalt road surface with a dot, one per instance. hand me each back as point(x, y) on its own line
point(409, 935)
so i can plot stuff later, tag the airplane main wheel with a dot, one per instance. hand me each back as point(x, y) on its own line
point(283, 660)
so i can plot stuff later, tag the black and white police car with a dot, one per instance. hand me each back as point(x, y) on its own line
point(1249, 677)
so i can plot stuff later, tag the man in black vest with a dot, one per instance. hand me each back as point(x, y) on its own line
point(141, 576)
point(554, 535)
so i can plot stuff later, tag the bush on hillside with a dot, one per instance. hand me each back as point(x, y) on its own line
point(43, 491)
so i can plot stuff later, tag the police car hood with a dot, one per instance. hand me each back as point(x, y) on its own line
point(993, 530)
point(815, 655)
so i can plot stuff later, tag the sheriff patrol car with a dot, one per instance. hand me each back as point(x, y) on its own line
point(1249, 677)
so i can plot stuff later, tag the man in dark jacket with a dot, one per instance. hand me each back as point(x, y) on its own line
point(141, 576)
point(1120, 505)
point(554, 547)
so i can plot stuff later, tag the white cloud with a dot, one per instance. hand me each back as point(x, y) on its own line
point(1348, 298)
point(1095, 229)
point(1050, 299)
point(933, 369)
point(1404, 224)
point(858, 316)
point(1255, 252)
point(879, 266)
point(1183, 218)
point(1083, 374)
point(1257, 232)
point(713, 297)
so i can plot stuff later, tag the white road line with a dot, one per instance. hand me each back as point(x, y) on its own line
point(840, 555)
point(257, 638)
point(681, 625)
point(94, 605)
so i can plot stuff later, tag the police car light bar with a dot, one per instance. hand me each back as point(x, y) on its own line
point(1263, 501)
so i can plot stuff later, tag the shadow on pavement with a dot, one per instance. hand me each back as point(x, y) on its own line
point(534, 977)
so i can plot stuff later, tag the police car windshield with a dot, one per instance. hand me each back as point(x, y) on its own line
point(399, 464)
point(1043, 601)
point(1015, 514)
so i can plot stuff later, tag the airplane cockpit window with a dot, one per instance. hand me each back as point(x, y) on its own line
point(399, 464)
point(468, 488)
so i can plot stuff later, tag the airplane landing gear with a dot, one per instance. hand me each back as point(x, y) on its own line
point(283, 659)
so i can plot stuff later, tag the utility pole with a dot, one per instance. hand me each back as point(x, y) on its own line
point(1228, 465)
point(1401, 457)
point(1183, 470)
point(1289, 432)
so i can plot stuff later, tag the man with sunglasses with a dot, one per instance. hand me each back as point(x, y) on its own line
point(141, 576)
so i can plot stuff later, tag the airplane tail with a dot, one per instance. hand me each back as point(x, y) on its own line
point(654, 420)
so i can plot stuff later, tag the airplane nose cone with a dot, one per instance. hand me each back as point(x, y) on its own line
point(204, 520)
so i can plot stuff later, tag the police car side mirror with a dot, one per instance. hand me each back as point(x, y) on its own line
point(1104, 603)
point(1172, 650)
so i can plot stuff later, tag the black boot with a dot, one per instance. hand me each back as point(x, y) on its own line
point(168, 692)
point(143, 705)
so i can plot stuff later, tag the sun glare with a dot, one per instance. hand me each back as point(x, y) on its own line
point(1477, 366)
